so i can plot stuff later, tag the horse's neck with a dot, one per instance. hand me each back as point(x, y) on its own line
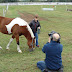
point(28, 35)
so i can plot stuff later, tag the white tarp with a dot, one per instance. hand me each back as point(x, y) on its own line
point(49, 9)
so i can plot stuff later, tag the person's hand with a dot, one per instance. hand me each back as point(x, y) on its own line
point(49, 39)
point(38, 27)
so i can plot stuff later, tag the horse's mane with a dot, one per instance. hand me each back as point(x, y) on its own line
point(30, 30)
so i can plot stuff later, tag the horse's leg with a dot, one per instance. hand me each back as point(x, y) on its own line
point(10, 42)
point(17, 40)
point(0, 46)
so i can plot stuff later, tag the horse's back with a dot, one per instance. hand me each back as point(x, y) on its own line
point(5, 21)
point(14, 22)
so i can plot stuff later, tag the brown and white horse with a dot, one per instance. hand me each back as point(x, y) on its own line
point(17, 27)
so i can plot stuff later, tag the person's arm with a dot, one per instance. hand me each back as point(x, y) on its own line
point(39, 26)
point(49, 39)
point(61, 47)
point(44, 48)
point(30, 24)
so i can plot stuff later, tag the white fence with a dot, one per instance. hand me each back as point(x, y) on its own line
point(38, 3)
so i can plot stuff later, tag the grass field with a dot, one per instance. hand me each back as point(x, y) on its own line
point(59, 20)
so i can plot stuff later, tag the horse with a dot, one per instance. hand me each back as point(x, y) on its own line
point(17, 27)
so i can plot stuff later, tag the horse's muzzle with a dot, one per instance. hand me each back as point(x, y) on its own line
point(31, 49)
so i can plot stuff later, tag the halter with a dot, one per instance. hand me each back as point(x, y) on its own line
point(32, 43)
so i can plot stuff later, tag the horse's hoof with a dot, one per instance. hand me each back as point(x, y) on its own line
point(20, 51)
point(7, 49)
point(0, 47)
point(30, 50)
point(33, 48)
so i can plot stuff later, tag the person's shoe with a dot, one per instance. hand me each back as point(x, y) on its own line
point(37, 46)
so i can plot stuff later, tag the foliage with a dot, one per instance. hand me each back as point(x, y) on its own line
point(35, 1)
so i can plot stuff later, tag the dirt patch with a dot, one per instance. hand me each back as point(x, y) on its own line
point(29, 17)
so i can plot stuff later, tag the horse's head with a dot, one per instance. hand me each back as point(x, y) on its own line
point(31, 44)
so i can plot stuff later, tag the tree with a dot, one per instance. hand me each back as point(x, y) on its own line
point(49, 0)
point(12, 0)
point(30, 0)
point(55, 0)
point(62, 0)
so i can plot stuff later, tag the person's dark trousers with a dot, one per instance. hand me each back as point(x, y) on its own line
point(36, 35)
point(41, 65)
point(59, 70)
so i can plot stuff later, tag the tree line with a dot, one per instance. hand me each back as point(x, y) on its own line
point(5, 1)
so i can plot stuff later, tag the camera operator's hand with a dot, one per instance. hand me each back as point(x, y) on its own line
point(49, 39)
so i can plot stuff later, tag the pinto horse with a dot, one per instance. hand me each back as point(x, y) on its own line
point(17, 27)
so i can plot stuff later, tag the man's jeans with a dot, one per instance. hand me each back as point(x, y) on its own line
point(36, 35)
point(41, 65)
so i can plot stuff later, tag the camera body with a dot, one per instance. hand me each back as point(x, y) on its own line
point(51, 36)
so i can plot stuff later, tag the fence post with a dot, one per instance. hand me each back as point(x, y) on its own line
point(7, 8)
point(55, 7)
point(66, 8)
point(4, 11)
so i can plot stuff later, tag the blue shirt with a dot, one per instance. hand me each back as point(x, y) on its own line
point(53, 52)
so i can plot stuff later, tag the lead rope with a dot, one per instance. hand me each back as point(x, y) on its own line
point(32, 43)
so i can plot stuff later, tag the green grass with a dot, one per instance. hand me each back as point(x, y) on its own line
point(59, 20)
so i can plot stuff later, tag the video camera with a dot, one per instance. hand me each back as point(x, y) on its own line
point(51, 35)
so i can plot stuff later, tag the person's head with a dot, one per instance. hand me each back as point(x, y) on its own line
point(56, 37)
point(36, 18)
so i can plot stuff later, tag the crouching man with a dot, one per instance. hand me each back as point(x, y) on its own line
point(53, 50)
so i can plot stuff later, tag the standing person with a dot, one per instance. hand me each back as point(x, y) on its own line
point(34, 24)
point(53, 50)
